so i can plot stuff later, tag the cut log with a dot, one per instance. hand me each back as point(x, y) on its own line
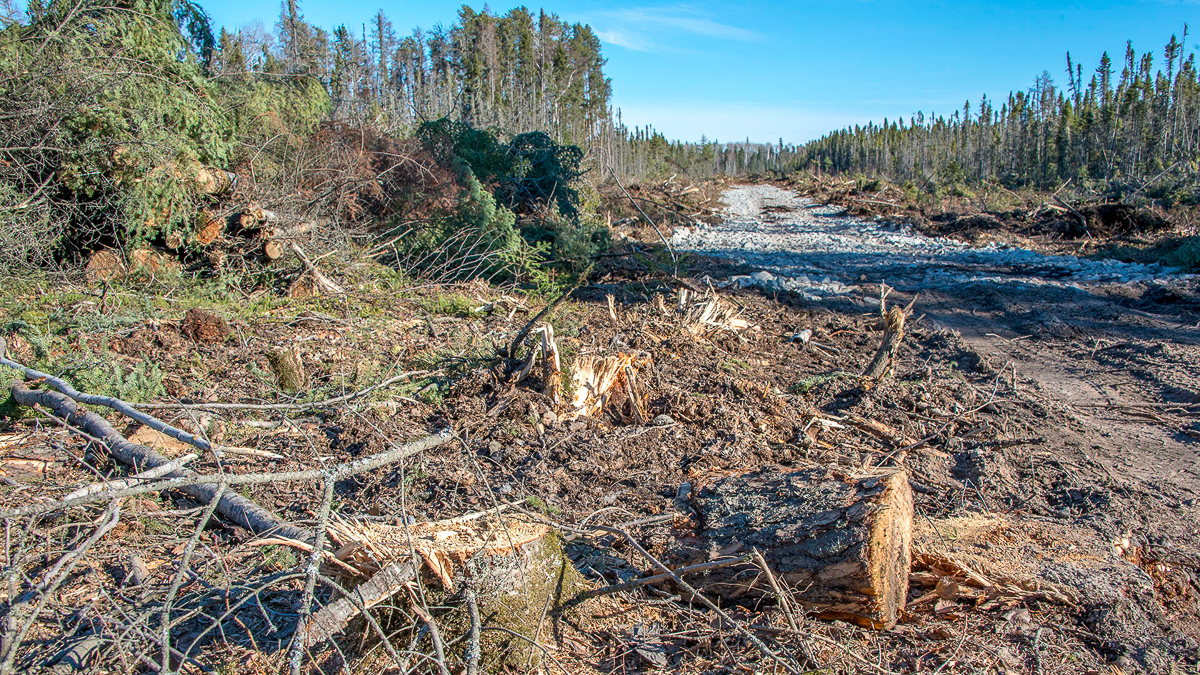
point(154, 261)
point(273, 249)
point(255, 216)
point(275, 239)
point(840, 544)
point(213, 181)
point(208, 228)
point(106, 265)
point(288, 231)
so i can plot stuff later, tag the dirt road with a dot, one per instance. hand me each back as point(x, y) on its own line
point(1116, 343)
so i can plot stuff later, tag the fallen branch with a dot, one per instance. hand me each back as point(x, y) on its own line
point(323, 282)
point(156, 472)
point(658, 578)
point(236, 508)
point(107, 402)
point(674, 259)
point(516, 343)
point(472, 654)
point(352, 468)
point(1076, 213)
point(784, 604)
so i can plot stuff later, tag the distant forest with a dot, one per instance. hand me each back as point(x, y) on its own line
point(1139, 129)
point(515, 73)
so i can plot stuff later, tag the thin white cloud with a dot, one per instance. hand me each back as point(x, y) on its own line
point(630, 27)
point(621, 38)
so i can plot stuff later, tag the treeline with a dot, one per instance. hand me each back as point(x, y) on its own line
point(517, 72)
point(512, 73)
point(1117, 132)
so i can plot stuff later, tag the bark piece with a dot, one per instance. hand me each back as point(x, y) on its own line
point(841, 543)
point(334, 617)
point(288, 368)
point(202, 326)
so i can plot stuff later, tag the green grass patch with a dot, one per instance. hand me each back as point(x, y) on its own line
point(809, 383)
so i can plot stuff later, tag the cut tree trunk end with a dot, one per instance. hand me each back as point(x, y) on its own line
point(840, 544)
point(516, 568)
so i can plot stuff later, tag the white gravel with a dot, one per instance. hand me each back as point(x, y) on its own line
point(818, 251)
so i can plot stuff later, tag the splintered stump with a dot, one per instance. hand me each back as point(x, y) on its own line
point(516, 568)
point(841, 544)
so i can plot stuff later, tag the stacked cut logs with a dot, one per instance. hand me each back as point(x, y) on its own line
point(272, 230)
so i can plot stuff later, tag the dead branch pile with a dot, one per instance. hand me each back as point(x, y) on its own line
point(648, 212)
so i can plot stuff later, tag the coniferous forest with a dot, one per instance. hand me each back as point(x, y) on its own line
point(1117, 126)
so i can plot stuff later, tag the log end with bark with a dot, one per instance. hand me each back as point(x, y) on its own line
point(841, 544)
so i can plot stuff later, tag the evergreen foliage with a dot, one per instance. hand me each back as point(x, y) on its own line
point(107, 117)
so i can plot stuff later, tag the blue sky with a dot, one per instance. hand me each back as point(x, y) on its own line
point(796, 70)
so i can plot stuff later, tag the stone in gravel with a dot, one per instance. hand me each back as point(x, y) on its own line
point(549, 418)
point(663, 420)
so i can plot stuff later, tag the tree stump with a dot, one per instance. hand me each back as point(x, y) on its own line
point(516, 568)
point(202, 326)
point(288, 368)
point(841, 543)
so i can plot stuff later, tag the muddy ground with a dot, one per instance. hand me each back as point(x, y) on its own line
point(1050, 437)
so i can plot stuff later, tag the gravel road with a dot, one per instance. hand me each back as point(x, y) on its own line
point(818, 251)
